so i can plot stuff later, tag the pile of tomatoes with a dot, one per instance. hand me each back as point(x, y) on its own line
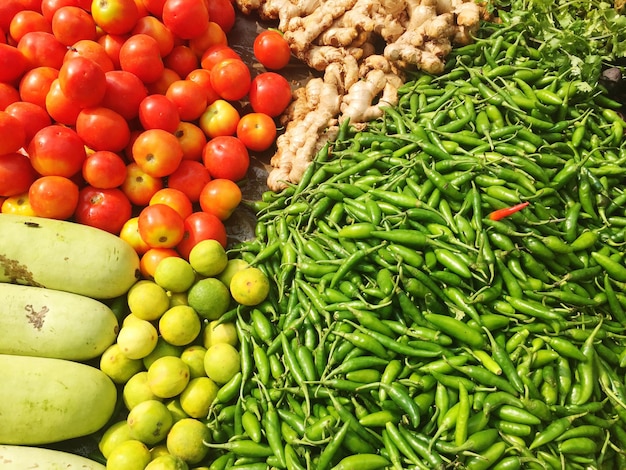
point(133, 116)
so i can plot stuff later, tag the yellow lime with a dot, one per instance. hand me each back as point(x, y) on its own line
point(129, 455)
point(149, 422)
point(208, 258)
point(216, 332)
point(115, 434)
point(159, 450)
point(137, 339)
point(117, 366)
point(168, 376)
point(177, 298)
point(197, 397)
point(193, 356)
point(148, 300)
point(222, 362)
point(234, 265)
point(209, 297)
point(186, 440)
point(137, 390)
point(249, 286)
point(167, 462)
point(180, 325)
point(177, 411)
point(174, 274)
point(130, 318)
point(162, 349)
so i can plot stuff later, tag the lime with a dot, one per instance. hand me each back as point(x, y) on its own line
point(137, 339)
point(180, 325)
point(167, 462)
point(148, 300)
point(216, 332)
point(177, 411)
point(137, 390)
point(186, 440)
point(130, 318)
point(117, 366)
point(222, 362)
point(159, 450)
point(234, 265)
point(249, 286)
point(197, 397)
point(168, 376)
point(193, 356)
point(149, 422)
point(208, 258)
point(162, 349)
point(177, 298)
point(129, 455)
point(209, 297)
point(115, 434)
point(174, 274)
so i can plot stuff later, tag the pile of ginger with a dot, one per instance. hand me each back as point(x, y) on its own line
point(362, 49)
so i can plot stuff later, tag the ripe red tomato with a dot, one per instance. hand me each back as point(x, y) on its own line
point(60, 107)
point(160, 86)
point(154, 27)
point(231, 79)
point(257, 131)
point(215, 54)
point(12, 133)
point(49, 7)
point(124, 93)
point(13, 63)
point(57, 150)
point(219, 118)
point(83, 81)
point(115, 16)
point(222, 12)
point(160, 226)
point(104, 169)
point(186, 18)
point(106, 209)
point(203, 78)
point(33, 117)
point(8, 9)
point(42, 49)
point(139, 186)
point(112, 43)
point(271, 49)
point(181, 60)
point(201, 226)
point(214, 35)
point(174, 198)
point(103, 129)
point(192, 140)
point(190, 177)
point(26, 21)
point(226, 157)
point(159, 112)
point(16, 174)
point(8, 94)
point(157, 152)
point(270, 93)
point(220, 197)
point(140, 55)
point(35, 84)
point(92, 50)
point(53, 197)
point(188, 97)
point(71, 24)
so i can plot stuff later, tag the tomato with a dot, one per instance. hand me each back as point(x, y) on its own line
point(231, 79)
point(159, 112)
point(203, 78)
point(188, 97)
point(130, 234)
point(140, 55)
point(60, 107)
point(271, 49)
point(42, 49)
point(152, 26)
point(190, 177)
point(222, 12)
point(174, 198)
point(104, 169)
point(270, 93)
point(26, 21)
point(53, 197)
point(226, 157)
point(220, 197)
point(257, 131)
point(92, 50)
point(192, 140)
point(154, 6)
point(157, 152)
point(33, 117)
point(71, 24)
point(83, 81)
point(124, 93)
point(181, 60)
point(151, 258)
point(18, 205)
point(112, 44)
point(49, 7)
point(35, 84)
point(8, 95)
point(201, 226)
point(160, 86)
point(139, 186)
point(187, 19)
point(16, 174)
point(160, 226)
point(103, 129)
point(12, 133)
point(115, 16)
point(57, 150)
point(215, 54)
point(8, 9)
point(213, 36)
point(13, 63)
point(106, 209)
point(219, 118)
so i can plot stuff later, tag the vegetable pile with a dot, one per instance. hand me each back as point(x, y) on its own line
point(448, 282)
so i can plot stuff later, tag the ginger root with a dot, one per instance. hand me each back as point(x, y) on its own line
point(363, 47)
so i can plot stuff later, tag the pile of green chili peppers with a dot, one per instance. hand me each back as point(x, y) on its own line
point(409, 327)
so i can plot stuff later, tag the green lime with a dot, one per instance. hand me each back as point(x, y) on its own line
point(137, 390)
point(222, 362)
point(149, 422)
point(209, 297)
point(117, 366)
point(167, 462)
point(162, 349)
point(193, 356)
point(180, 325)
point(115, 434)
point(208, 258)
point(177, 411)
point(174, 274)
point(129, 455)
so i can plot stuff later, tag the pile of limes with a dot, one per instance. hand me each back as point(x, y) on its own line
point(173, 353)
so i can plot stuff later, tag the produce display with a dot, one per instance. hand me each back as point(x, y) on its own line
point(438, 284)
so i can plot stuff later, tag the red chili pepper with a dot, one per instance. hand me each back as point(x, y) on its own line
point(502, 213)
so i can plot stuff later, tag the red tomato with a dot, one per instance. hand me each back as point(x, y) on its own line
point(8, 94)
point(49, 7)
point(160, 86)
point(151, 258)
point(190, 177)
point(124, 93)
point(26, 21)
point(154, 6)
point(157, 152)
point(203, 78)
point(115, 16)
point(112, 44)
point(83, 81)
point(219, 118)
point(220, 197)
point(35, 84)
point(201, 226)
point(16, 174)
point(257, 131)
point(130, 234)
point(222, 12)
point(174, 198)
point(103, 129)
point(270, 93)
point(152, 26)
point(160, 226)
point(33, 117)
point(181, 60)
point(213, 36)
point(158, 112)
point(271, 49)
point(42, 49)
point(13, 63)
point(104, 169)
point(139, 186)
point(71, 24)
point(12, 133)
point(106, 209)
point(231, 79)
point(8, 9)
point(60, 107)
point(53, 197)
point(215, 54)
point(57, 150)
point(140, 55)
point(91, 50)
point(192, 140)
point(186, 18)
point(226, 157)
point(188, 98)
